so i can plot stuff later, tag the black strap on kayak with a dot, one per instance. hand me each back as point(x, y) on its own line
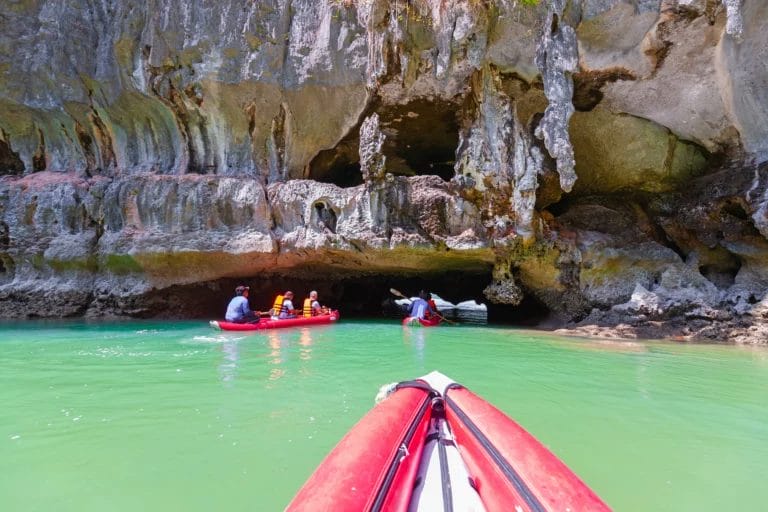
point(445, 473)
point(452, 385)
point(418, 384)
point(434, 436)
point(402, 452)
point(517, 482)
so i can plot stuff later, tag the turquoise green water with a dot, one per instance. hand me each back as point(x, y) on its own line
point(154, 416)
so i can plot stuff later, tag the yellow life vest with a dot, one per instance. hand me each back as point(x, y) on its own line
point(308, 308)
point(277, 307)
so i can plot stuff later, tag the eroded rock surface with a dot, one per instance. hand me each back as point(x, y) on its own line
point(604, 158)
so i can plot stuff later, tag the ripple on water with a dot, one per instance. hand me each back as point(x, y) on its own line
point(220, 338)
point(109, 352)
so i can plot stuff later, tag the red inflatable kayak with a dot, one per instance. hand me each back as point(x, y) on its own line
point(421, 322)
point(435, 445)
point(276, 324)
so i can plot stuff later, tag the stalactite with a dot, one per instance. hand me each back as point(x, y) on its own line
point(497, 158)
point(372, 161)
point(557, 59)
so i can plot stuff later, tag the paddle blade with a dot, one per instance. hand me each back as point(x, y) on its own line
point(397, 293)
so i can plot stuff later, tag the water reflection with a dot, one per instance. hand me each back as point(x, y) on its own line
point(418, 339)
point(275, 344)
point(228, 366)
point(305, 340)
point(276, 355)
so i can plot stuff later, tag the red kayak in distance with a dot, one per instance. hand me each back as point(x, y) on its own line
point(433, 445)
point(330, 318)
point(412, 321)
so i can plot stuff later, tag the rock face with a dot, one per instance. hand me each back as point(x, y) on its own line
point(603, 158)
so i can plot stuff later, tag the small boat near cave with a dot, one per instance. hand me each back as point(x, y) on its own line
point(330, 318)
point(465, 312)
point(412, 321)
point(434, 445)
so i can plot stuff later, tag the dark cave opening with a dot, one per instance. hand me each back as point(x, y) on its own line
point(421, 139)
point(323, 214)
point(587, 85)
point(529, 313)
point(358, 297)
point(340, 165)
point(721, 276)
point(10, 162)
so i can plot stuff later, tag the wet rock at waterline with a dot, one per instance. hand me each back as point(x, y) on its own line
point(601, 159)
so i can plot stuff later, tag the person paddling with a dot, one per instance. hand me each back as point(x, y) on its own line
point(238, 310)
point(433, 311)
point(312, 306)
point(420, 308)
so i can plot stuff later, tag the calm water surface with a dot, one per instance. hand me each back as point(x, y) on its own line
point(159, 416)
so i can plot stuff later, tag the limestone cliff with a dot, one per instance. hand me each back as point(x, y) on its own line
point(600, 158)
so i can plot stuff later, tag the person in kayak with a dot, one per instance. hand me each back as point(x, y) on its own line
point(312, 306)
point(433, 312)
point(238, 310)
point(283, 306)
point(420, 308)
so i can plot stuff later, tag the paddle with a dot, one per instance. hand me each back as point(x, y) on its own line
point(397, 293)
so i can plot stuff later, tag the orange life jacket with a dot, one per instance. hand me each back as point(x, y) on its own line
point(307, 310)
point(277, 307)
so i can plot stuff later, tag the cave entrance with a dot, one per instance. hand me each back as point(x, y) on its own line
point(356, 297)
point(421, 139)
point(340, 165)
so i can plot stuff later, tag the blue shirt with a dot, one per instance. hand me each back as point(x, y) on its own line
point(418, 308)
point(237, 309)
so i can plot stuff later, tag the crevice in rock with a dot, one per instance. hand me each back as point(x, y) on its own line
point(421, 139)
point(6, 262)
point(5, 239)
point(711, 9)
point(195, 132)
point(325, 215)
point(276, 147)
point(660, 43)
point(167, 84)
point(735, 219)
point(588, 84)
point(86, 143)
point(103, 140)
point(735, 209)
point(10, 163)
point(657, 233)
point(38, 158)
